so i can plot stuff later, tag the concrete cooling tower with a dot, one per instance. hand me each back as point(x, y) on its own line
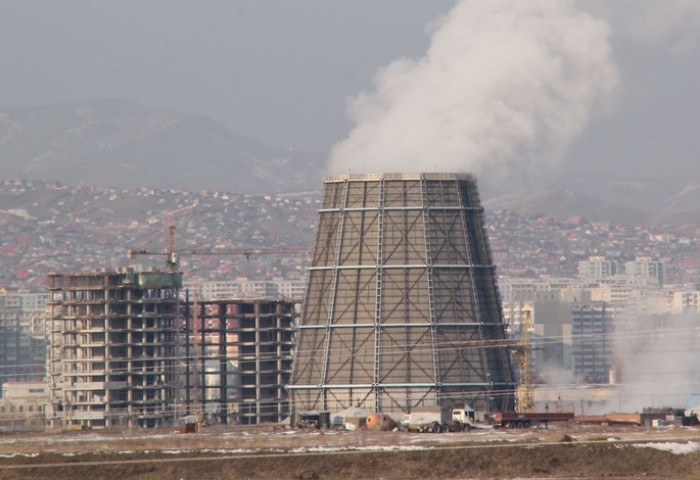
point(402, 309)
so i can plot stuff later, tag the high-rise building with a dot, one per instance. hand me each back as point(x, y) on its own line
point(592, 345)
point(402, 309)
point(112, 354)
point(240, 352)
point(22, 337)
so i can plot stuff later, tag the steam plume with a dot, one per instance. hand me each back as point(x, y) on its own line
point(658, 357)
point(504, 88)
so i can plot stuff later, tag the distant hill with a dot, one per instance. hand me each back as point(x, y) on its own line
point(123, 144)
point(597, 197)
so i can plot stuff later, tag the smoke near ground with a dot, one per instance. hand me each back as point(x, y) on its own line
point(503, 89)
point(657, 360)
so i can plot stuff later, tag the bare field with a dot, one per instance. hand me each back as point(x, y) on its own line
point(562, 451)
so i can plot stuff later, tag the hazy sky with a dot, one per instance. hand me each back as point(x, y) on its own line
point(286, 73)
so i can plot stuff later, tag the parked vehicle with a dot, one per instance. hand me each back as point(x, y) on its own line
point(463, 417)
point(528, 419)
point(436, 420)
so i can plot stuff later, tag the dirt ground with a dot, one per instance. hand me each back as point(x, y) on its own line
point(562, 451)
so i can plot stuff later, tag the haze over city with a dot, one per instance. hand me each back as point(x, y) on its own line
point(340, 213)
point(298, 76)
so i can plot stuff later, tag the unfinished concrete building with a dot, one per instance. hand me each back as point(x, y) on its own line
point(239, 359)
point(402, 309)
point(112, 354)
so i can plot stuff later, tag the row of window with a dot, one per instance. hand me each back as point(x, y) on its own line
point(20, 408)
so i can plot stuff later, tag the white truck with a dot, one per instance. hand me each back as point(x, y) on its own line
point(436, 420)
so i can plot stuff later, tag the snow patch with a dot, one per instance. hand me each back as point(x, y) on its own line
point(13, 455)
point(675, 448)
point(376, 448)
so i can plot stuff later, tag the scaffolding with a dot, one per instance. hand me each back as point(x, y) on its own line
point(402, 308)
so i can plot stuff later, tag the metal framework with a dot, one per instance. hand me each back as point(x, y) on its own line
point(402, 308)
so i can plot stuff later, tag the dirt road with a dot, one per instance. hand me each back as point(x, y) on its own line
point(221, 453)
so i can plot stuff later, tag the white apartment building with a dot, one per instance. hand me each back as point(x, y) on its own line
point(291, 289)
point(597, 267)
point(647, 268)
point(243, 287)
point(685, 300)
point(22, 405)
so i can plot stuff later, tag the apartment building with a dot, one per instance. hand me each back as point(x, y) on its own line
point(22, 336)
point(592, 344)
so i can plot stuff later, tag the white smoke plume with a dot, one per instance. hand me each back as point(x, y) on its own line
point(673, 25)
point(657, 357)
point(504, 88)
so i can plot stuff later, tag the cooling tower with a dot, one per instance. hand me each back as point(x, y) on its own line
point(402, 309)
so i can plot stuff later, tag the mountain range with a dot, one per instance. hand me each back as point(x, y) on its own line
point(597, 197)
point(123, 144)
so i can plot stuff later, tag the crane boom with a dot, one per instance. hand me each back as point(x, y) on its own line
point(173, 255)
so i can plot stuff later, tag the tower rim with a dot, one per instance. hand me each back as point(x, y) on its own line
point(378, 176)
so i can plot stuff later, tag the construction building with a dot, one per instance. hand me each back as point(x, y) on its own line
point(112, 349)
point(125, 351)
point(239, 359)
point(402, 309)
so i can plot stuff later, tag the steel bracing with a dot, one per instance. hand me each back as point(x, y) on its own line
point(402, 308)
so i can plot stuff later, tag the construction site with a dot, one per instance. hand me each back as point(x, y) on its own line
point(401, 320)
point(125, 351)
point(401, 312)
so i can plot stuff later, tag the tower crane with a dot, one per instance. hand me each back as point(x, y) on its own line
point(172, 262)
point(172, 255)
point(523, 350)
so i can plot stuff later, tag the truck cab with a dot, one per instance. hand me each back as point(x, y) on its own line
point(465, 418)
